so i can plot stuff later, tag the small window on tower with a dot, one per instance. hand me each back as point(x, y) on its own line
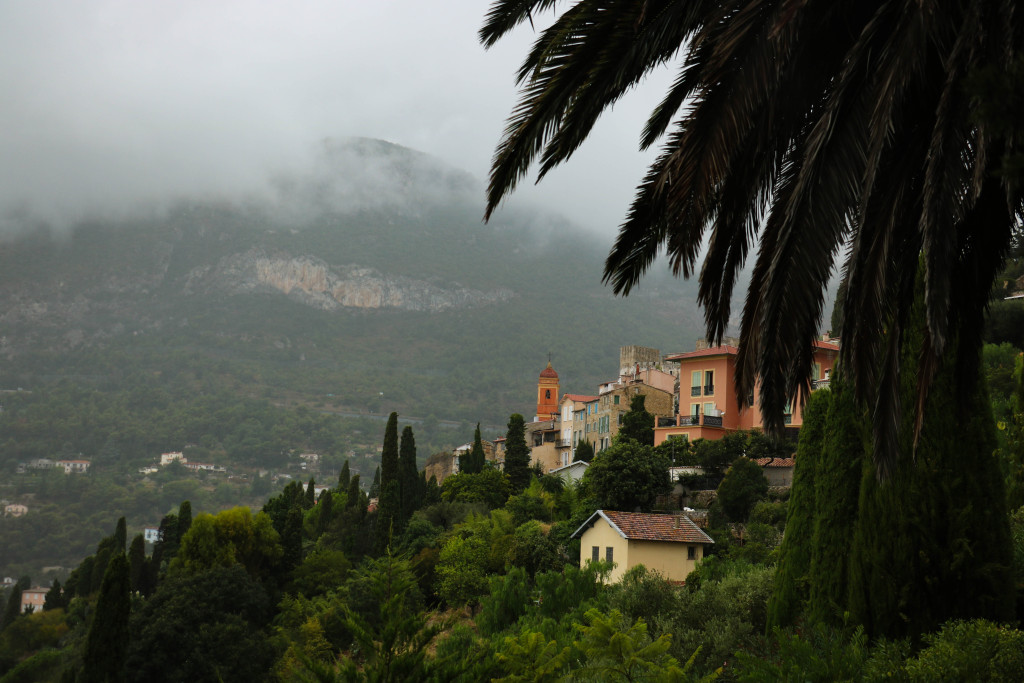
point(547, 393)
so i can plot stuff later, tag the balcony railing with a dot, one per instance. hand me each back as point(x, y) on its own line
point(689, 420)
point(666, 422)
point(709, 389)
point(820, 383)
point(694, 391)
point(787, 419)
point(712, 420)
point(563, 443)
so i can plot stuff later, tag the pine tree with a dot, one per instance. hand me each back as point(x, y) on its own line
point(107, 642)
point(344, 477)
point(473, 462)
point(517, 455)
point(411, 493)
point(584, 451)
point(790, 589)
point(637, 423)
point(137, 565)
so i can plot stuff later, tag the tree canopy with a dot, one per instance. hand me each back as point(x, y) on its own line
point(802, 130)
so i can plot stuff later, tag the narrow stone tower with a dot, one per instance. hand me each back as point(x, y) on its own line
point(547, 394)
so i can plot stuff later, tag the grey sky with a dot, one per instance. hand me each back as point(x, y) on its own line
point(112, 104)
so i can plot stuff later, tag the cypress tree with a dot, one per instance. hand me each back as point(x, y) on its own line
point(389, 452)
point(375, 484)
point(584, 451)
point(137, 565)
point(12, 610)
point(291, 540)
point(354, 493)
point(932, 541)
point(790, 589)
point(344, 478)
point(184, 518)
point(473, 462)
point(325, 513)
point(637, 423)
point(837, 494)
point(517, 455)
point(54, 597)
point(389, 504)
point(411, 494)
point(107, 643)
point(121, 536)
point(310, 499)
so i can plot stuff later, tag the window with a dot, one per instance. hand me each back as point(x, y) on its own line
point(616, 399)
point(609, 553)
point(547, 393)
point(691, 552)
point(708, 408)
point(595, 554)
point(709, 382)
point(695, 383)
point(816, 373)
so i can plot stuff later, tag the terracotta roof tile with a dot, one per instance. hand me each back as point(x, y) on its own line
point(713, 351)
point(641, 526)
point(580, 397)
point(776, 462)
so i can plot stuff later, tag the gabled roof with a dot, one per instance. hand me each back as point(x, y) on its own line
point(575, 464)
point(579, 397)
point(776, 462)
point(642, 526)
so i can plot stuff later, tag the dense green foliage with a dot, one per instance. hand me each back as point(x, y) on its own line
point(628, 476)
point(637, 423)
point(517, 455)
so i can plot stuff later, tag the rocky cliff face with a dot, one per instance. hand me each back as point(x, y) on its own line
point(313, 282)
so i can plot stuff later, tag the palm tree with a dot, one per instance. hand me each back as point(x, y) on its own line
point(823, 134)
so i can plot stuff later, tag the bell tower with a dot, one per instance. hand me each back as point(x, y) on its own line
point(547, 394)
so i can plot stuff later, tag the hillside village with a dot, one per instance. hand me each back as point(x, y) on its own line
point(692, 395)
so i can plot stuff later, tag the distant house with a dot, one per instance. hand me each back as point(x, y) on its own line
point(168, 458)
point(149, 469)
point(33, 599)
point(40, 464)
point(311, 458)
point(671, 545)
point(15, 510)
point(318, 489)
point(571, 472)
point(151, 534)
point(74, 466)
point(204, 467)
point(778, 471)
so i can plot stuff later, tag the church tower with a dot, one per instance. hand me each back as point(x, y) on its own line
point(547, 394)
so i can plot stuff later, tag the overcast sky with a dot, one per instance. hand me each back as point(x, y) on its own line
point(111, 104)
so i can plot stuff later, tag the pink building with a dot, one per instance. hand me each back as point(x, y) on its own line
point(707, 393)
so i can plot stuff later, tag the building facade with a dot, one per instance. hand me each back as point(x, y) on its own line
point(707, 400)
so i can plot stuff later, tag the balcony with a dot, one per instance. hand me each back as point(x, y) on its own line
point(787, 419)
point(712, 420)
point(689, 420)
point(709, 389)
point(563, 443)
point(694, 391)
point(820, 384)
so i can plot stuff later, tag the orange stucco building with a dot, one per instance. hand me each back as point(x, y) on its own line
point(708, 404)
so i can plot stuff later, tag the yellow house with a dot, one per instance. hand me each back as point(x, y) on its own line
point(671, 545)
